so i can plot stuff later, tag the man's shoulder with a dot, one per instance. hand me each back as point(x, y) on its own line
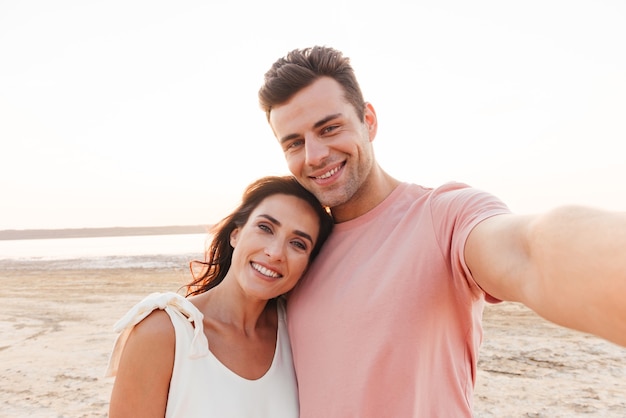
point(449, 190)
point(449, 198)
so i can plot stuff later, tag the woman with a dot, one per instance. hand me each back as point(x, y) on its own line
point(223, 350)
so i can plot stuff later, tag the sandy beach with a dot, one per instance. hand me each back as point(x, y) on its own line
point(57, 332)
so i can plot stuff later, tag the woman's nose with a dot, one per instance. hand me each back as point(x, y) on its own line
point(275, 250)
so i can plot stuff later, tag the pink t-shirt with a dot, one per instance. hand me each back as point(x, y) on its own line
point(387, 321)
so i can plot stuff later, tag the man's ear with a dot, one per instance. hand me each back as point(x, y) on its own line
point(371, 121)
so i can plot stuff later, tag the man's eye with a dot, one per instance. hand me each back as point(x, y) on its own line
point(294, 144)
point(329, 129)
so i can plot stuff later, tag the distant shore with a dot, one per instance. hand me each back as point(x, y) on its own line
point(16, 234)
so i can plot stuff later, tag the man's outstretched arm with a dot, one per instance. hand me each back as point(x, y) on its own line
point(568, 265)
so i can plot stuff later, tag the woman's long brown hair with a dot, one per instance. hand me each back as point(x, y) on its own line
point(218, 255)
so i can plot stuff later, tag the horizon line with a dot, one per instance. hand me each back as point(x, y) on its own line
point(19, 234)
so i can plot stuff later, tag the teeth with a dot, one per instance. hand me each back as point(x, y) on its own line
point(264, 271)
point(328, 174)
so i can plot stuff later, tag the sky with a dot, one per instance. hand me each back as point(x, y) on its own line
point(145, 113)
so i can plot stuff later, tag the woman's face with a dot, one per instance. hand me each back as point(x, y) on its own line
point(271, 251)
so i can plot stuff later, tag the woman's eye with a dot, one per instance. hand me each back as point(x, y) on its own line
point(265, 228)
point(301, 245)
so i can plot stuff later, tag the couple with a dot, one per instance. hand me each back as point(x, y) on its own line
point(387, 321)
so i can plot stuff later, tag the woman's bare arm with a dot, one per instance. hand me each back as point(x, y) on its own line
point(145, 369)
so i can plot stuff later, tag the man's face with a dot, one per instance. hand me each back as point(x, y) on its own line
point(327, 148)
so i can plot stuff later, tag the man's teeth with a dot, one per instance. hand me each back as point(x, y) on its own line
point(264, 271)
point(328, 174)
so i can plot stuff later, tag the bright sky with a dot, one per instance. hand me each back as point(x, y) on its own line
point(140, 113)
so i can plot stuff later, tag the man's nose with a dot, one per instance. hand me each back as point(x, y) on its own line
point(316, 151)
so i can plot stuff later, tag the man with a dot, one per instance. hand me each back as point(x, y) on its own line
point(387, 322)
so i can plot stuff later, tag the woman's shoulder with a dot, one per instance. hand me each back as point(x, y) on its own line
point(147, 335)
point(156, 325)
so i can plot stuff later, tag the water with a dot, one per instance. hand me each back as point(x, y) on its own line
point(149, 251)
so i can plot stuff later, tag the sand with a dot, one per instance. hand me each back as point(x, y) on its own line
point(56, 328)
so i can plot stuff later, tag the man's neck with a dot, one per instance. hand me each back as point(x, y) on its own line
point(371, 194)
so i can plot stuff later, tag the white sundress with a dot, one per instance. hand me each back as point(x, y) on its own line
point(201, 385)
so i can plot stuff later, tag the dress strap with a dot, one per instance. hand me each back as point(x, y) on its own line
point(170, 302)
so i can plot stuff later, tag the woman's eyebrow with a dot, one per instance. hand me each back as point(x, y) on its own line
point(277, 222)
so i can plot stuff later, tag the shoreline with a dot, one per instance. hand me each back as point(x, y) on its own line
point(22, 234)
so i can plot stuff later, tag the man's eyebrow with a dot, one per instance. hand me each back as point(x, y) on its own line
point(326, 120)
point(316, 125)
point(277, 222)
